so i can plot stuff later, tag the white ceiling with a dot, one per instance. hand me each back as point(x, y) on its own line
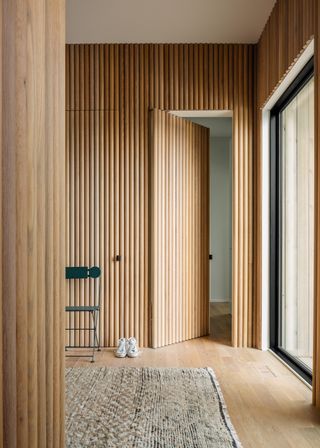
point(152, 21)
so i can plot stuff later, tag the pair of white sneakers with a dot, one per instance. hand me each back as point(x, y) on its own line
point(127, 347)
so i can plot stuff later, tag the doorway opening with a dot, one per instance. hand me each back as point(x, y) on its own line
point(220, 246)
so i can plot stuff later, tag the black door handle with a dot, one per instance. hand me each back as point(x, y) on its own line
point(118, 257)
point(210, 256)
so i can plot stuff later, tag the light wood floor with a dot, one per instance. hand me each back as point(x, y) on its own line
point(220, 322)
point(268, 405)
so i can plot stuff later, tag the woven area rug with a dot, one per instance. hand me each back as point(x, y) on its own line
point(146, 408)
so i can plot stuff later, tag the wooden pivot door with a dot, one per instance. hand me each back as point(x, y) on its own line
point(179, 229)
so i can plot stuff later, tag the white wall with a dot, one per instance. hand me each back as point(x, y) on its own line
point(220, 205)
point(220, 218)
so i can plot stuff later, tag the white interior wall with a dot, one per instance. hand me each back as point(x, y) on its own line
point(220, 200)
point(220, 218)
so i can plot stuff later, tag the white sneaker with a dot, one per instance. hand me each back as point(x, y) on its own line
point(132, 349)
point(121, 351)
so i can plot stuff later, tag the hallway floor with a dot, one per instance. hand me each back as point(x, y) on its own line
point(267, 404)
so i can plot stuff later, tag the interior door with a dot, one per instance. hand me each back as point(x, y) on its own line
point(179, 229)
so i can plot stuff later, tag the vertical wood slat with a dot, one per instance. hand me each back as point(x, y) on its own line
point(126, 190)
point(121, 192)
point(289, 28)
point(33, 227)
point(148, 81)
point(235, 204)
point(151, 76)
point(171, 305)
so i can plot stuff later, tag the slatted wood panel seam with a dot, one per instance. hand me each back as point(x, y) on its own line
point(123, 82)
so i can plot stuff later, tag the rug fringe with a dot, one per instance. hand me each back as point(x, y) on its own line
point(224, 408)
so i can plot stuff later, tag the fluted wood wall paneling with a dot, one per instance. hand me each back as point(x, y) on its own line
point(288, 30)
point(32, 201)
point(291, 26)
point(109, 91)
point(178, 209)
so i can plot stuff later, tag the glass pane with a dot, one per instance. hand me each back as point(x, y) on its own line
point(297, 226)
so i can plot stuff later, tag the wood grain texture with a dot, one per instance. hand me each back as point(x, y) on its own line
point(178, 209)
point(107, 161)
point(289, 29)
point(33, 226)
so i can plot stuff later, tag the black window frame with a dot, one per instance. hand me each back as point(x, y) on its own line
point(275, 219)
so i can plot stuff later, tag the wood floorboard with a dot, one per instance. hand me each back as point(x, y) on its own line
point(268, 405)
point(220, 321)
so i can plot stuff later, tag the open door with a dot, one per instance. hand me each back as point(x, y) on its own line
point(179, 229)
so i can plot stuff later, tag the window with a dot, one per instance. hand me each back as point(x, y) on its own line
point(292, 224)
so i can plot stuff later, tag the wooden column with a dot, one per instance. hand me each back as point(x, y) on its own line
point(32, 82)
